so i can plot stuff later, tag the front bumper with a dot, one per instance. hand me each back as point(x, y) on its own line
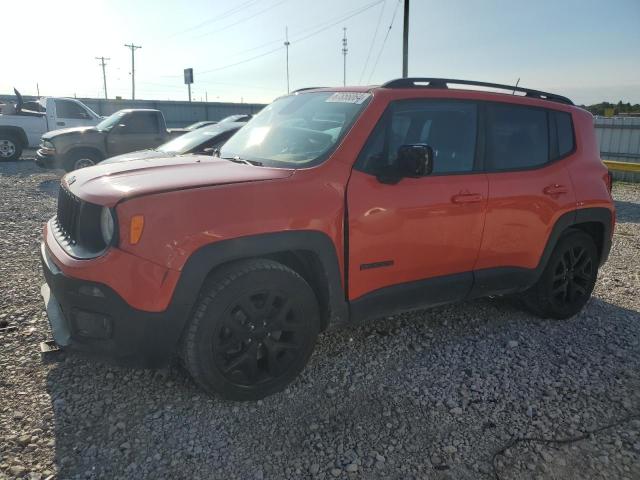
point(45, 159)
point(92, 318)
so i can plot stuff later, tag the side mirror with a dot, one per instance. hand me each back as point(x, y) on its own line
point(415, 160)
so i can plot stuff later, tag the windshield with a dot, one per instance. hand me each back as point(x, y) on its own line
point(296, 130)
point(191, 140)
point(109, 122)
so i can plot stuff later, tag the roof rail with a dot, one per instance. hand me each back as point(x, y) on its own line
point(303, 89)
point(416, 82)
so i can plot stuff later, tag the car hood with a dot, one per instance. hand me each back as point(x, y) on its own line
point(108, 184)
point(138, 155)
point(68, 131)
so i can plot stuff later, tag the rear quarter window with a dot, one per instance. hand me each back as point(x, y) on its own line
point(564, 129)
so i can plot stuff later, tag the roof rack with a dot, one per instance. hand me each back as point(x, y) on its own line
point(415, 82)
point(303, 89)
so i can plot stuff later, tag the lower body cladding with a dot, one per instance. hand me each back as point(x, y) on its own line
point(90, 317)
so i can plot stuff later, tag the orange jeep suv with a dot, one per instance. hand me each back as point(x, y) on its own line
point(331, 205)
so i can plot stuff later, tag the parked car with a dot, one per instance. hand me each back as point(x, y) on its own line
point(236, 118)
point(204, 141)
point(329, 206)
point(197, 125)
point(23, 123)
point(124, 131)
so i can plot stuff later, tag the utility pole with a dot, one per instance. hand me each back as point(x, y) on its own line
point(405, 41)
point(344, 54)
point(38, 88)
point(104, 74)
point(133, 68)
point(286, 44)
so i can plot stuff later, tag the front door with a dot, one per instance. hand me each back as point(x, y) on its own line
point(136, 131)
point(418, 238)
point(70, 114)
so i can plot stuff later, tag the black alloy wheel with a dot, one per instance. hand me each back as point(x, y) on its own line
point(568, 279)
point(258, 338)
point(253, 330)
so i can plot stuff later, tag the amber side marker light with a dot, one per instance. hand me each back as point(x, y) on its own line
point(135, 229)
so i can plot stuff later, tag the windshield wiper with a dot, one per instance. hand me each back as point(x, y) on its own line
point(237, 159)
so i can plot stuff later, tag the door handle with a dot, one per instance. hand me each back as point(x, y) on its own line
point(467, 198)
point(555, 189)
point(60, 124)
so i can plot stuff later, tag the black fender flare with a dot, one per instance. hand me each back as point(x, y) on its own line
point(207, 258)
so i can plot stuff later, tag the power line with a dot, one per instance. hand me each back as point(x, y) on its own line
point(338, 18)
point(217, 18)
point(226, 27)
point(301, 39)
point(395, 10)
point(317, 28)
point(133, 68)
point(373, 41)
point(104, 74)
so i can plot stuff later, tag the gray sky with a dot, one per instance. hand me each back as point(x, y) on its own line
point(585, 49)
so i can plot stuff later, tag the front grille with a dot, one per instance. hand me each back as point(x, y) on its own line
point(68, 215)
point(76, 226)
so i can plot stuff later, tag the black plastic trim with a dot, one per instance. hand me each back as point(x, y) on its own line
point(207, 258)
point(412, 296)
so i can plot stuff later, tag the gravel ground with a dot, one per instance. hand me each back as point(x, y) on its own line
point(433, 394)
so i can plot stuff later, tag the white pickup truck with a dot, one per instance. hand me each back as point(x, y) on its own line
point(23, 123)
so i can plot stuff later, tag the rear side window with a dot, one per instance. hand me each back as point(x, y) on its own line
point(449, 127)
point(564, 129)
point(517, 137)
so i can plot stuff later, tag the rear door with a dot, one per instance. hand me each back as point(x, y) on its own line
point(529, 189)
point(136, 131)
point(420, 236)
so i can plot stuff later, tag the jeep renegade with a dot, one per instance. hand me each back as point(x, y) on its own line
point(331, 205)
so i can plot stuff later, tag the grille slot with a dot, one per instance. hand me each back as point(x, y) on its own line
point(68, 215)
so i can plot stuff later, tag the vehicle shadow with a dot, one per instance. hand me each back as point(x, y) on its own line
point(49, 187)
point(627, 212)
point(363, 385)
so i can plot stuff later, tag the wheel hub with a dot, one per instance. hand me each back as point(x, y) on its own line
point(573, 275)
point(258, 340)
point(7, 148)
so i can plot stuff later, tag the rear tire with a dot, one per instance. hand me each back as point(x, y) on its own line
point(10, 147)
point(568, 278)
point(253, 330)
point(81, 159)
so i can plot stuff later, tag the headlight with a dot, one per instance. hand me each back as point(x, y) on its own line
point(48, 144)
point(107, 225)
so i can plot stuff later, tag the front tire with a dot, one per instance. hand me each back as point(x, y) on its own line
point(81, 159)
point(10, 147)
point(568, 278)
point(253, 330)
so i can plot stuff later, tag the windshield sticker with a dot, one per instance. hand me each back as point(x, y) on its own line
point(348, 97)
